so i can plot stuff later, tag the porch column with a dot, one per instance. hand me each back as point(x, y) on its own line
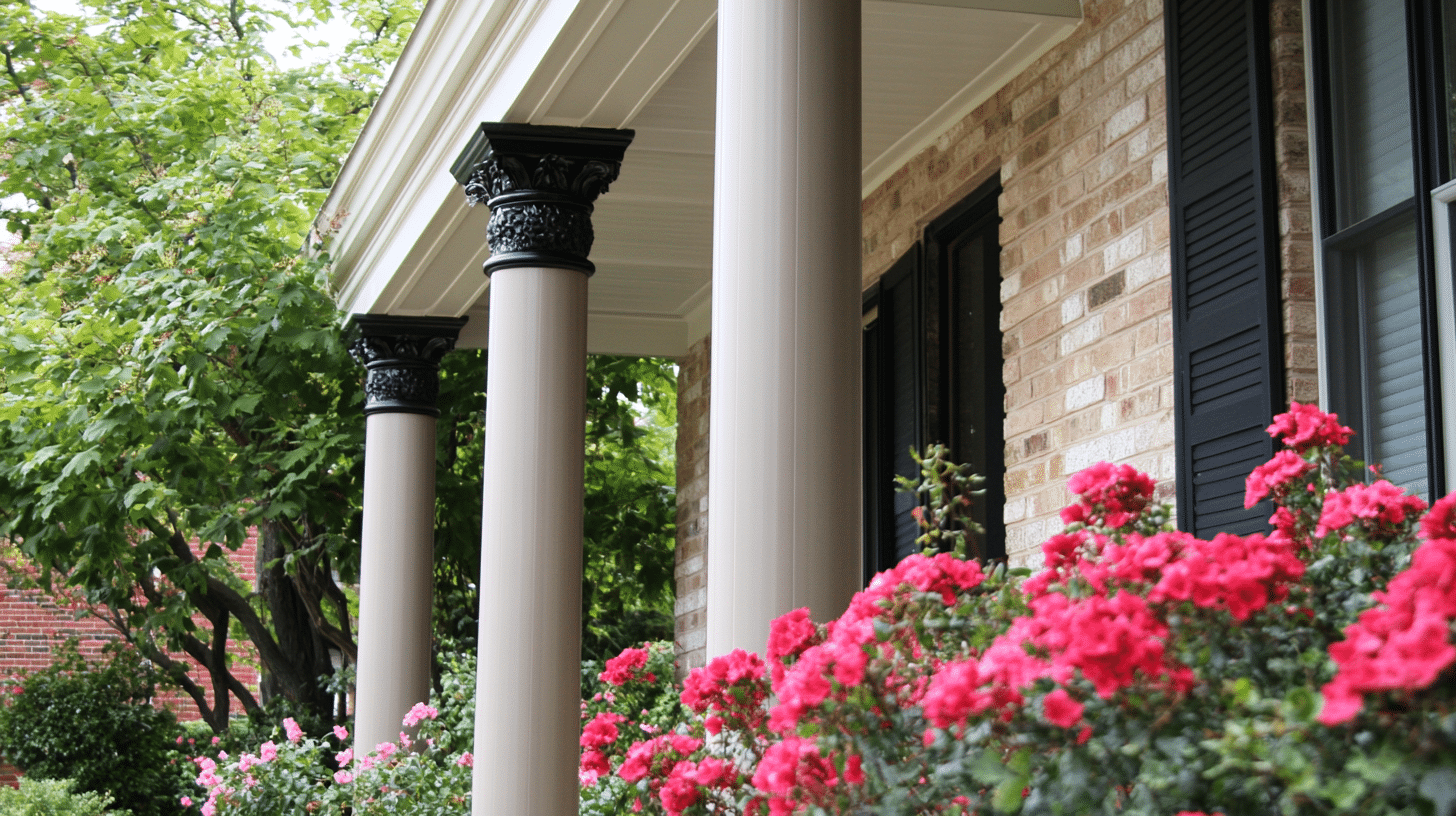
point(539, 183)
point(402, 357)
point(784, 471)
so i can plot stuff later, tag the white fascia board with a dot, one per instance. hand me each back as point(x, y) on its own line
point(636, 335)
point(466, 62)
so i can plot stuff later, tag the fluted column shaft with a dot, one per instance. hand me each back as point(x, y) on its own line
point(540, 183)
point(784, 470)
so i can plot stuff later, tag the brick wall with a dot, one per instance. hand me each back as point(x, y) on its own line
point(1079, 139)
point(1292, 174)
point(1080, 142)
point(692, 507)
point(33, 624)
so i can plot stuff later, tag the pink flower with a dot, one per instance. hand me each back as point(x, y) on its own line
point(1111, 495)
point(790, 634)
point(601, 731)
point(186, 801)
point(343, 777)
point(657, 756)
point(418, 713)
point(1275, 476)
point(465, 760)
point(854, 770)
point(385, 749)
point(1404, 643)
point(712, 772)
point(679, 791)
point(594, 764)
point(623, 667)
point(344, 757)
point(341, 732)
point(1060, 709)
point(955, 693)
point(732, 687)
point(794, 773)
point(292, 730)
point(1306, 426)
point(1381, 509)
point(269, 751)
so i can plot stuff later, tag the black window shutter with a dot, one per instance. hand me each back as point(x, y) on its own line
point(1226, 324)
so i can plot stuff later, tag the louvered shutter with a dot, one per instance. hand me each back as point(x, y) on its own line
point(1225, 268)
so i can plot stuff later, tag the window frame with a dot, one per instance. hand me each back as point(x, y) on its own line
point(923, 277)
point(1341, 380)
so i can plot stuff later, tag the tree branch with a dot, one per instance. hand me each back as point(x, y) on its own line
point(313, 581)
point(235, 18)
point(14, 76)
point(219, 597)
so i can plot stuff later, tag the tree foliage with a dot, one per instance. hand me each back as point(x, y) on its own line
point(173, 374)
point(94, 725)
point(630, 497)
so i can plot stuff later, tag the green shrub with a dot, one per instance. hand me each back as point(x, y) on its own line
point(52, 797)
point(95, 725)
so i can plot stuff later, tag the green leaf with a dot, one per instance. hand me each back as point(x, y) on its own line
point(1008, 796)
point(988, 768)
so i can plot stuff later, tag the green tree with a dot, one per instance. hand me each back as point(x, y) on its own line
point(173, 372)
point(630, 497)
point(93, 724)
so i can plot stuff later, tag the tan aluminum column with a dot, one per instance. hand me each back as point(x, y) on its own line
point(539, 183)
point(396, 571)
point(784, 469)
point(527, 716)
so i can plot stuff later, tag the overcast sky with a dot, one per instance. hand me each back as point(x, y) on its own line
point(336, 32)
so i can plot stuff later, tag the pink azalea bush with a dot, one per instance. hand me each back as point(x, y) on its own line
point(1142, 670)
point(425, 771)
point(303, 774)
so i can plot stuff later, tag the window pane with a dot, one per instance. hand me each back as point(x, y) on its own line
point(1370, 107)
point(1395, 385)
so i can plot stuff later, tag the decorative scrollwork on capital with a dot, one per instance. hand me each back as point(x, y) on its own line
point(401, 357)
point(579, 180)
point(540, 183)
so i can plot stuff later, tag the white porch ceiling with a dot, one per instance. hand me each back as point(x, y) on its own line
point(404, 242)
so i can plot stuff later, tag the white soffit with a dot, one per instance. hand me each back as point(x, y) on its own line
point(404, 242)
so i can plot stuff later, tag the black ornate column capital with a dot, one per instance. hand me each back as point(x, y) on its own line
point(401, 356)
point(539, 182)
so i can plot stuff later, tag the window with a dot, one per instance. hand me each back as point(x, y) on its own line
point(1382, 142)
point(932, 373)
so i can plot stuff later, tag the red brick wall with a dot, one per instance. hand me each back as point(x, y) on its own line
point(33, 624)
